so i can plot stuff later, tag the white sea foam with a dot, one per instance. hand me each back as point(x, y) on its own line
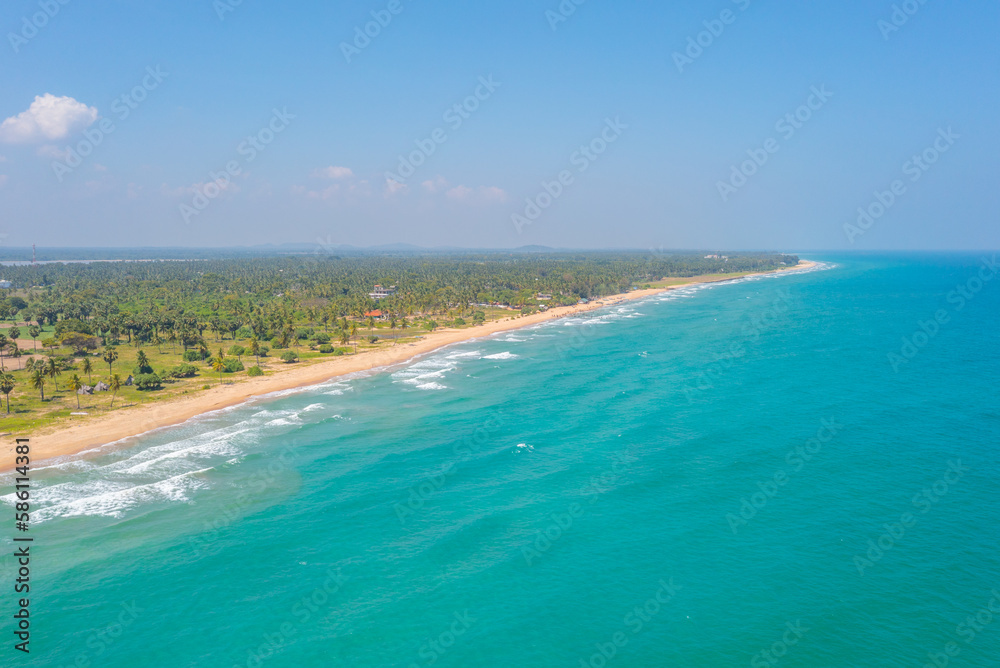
point(112, 499)
point(431, 386)
point(172, 461)
point(501, 356)
point(169, 472)
point(216, 442)
point(281, 422)
point(72, 465)
point(464, 355)
point(165, 472)
point(425, 374)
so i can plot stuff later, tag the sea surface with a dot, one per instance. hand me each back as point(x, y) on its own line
point(792, 470)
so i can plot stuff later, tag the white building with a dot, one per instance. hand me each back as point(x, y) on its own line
point(381, 293)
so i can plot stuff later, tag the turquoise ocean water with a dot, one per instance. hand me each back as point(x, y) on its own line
point(730, 475)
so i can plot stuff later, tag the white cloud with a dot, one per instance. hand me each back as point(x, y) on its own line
point(351, 191)
point(54, 152)
point(493, 194)
point(48, 118)
point(480, 195)
point(199, 188)
point(435, 185)
point(394, 187)
point(335, 173)
point(326, 193)
point(459, 192)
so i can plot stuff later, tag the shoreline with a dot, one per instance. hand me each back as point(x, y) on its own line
point(135, 421)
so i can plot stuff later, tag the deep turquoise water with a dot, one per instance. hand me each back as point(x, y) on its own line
point(684, 481)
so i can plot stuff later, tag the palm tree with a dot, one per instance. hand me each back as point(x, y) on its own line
point(110, 355)
point(14, 333)
point(38, 381)
point(218, 365)
point(141, 359)
point(115, 384)
point(255, 348)
point(52, 369)
point(3, 344)
point(87, 367)
point(34, 332)
point(7, 386)
point(75, 384)
point(354, 335)
point(14, 352)
point(344, 337)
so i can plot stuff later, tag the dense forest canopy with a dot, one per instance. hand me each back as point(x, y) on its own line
point(145, 330)
point(262, 293)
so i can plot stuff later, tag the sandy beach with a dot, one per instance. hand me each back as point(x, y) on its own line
point(135, 420)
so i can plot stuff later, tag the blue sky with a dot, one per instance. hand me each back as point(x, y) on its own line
point(664, 138)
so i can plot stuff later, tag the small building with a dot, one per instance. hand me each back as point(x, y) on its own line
point(5, 285)
point(542, 297)
point(376, 314)
point(381, 292)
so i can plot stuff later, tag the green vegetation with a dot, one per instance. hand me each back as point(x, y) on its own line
point(126, 333)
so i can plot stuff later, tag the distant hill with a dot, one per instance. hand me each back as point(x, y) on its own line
point(534, 249)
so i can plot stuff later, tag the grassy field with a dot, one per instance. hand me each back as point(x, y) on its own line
point(707, 278)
